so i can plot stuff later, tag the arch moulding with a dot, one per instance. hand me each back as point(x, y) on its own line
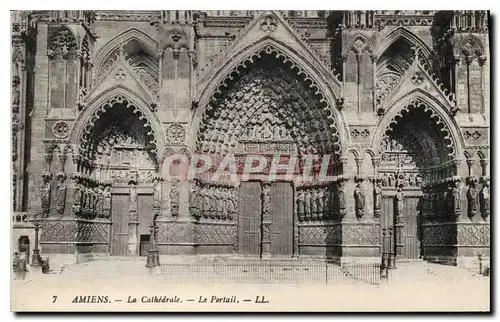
point(221, 74)
point(100, 104)
point(126, 36)
point(439, 115)
point(401, 32)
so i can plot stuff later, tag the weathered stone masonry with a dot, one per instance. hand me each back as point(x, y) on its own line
point(400, 99)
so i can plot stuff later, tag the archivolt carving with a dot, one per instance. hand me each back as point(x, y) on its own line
point(267, 103)
point(281, 56)
point(107, 105)
point(436, 119)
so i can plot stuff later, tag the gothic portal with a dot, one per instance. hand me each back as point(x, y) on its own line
point(334, 130)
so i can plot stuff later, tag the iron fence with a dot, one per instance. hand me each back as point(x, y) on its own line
point(269, 272)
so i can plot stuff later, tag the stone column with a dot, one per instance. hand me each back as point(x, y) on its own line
point(266, 219)
point(399, 221)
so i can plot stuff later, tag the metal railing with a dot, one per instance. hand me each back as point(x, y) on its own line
point(271, 272)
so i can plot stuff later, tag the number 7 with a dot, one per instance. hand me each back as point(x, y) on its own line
point(54, 298)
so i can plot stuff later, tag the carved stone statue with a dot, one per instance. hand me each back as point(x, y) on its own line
point(485, 199)
point(195, 202)
point(342, 196)
point(107, 202)
point(377, 198)
point(95, 201)
point(300, 204)
point(219, 199)
point(266, 201)
point(314, 204)
point(61, 193)
point(206, 202)
point(133, 203)
point(156, 193)
point(320, 204)
point(45, 193)
point(100, 201)
point(77, 196)
point(359, 197)
point(457, 198)
point(174, 199)
point(225, 202)
point(232, 205)
point(472, 196)
point(307, 204)
point(399, 204)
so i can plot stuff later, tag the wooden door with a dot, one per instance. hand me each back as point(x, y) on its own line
point(282, 219)
point(145, 213)
point(119, 216)
point(411, 242)
point(249, 235)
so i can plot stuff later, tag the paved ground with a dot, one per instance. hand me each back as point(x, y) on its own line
point(297, 285)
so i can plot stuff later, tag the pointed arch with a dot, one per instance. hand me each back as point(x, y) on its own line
point(403, 33)
point(218, 79)
point(101, 103)
point(438, 113)
point(131, 34)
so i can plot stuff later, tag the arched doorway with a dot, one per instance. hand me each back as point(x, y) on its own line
point(416, 162)
point(118, 155)
point(268, 112)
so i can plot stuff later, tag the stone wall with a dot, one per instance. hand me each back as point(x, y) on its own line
point(193, 57)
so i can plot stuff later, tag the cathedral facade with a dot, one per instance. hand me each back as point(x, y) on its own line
point(121, 121)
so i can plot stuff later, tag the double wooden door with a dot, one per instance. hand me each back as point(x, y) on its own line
point(407, 244)
point(250, 219)
point(121, 230)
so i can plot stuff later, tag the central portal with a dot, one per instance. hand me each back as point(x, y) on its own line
point(252, 222)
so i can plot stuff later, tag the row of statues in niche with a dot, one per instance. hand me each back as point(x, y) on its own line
point(447, 198)
point(53, 200)
point(478, 196)
point(320, 203)
point(89, 198)
point(213, 202)
point(398, 179)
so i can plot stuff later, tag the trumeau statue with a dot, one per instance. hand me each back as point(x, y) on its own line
point(400, 203)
